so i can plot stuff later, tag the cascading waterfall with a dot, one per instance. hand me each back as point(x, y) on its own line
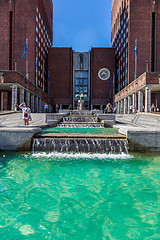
point(80, 145)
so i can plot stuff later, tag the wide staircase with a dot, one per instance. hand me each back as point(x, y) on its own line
point(82, 119)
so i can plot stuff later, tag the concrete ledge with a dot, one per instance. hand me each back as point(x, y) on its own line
point(52, 123)
point(97, 112)
point(107, 117)
point(142, 139)
point(17, 139)
point(65, 111)
point(54, 117)
point(108, 123)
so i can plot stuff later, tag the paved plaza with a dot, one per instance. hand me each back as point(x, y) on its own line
point(122, 120)
point(15, 120)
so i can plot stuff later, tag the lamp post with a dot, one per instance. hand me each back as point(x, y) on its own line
point(126, 87)
point(147, 68)
point(15, 64)
point(135, 76)
point(118, 89)
point(27, 72)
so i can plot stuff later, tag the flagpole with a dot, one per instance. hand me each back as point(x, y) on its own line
point(27, 73)
point(135, 76)
point(118, 90)
point(126, 87)
point(36, 80)
point(113, 85)
point(43, 86)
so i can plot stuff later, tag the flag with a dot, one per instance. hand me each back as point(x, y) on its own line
point(136, 51)
point(118, 72)
point(25, 50)
point(113, 79)
point(36, 63)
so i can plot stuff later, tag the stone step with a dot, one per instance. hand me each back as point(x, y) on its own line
point(80, 125)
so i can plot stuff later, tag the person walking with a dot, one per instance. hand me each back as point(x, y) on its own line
point(131, 109)
point(25, 113)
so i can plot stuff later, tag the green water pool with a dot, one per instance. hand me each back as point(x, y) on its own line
point(82, 130)
point(79, 197)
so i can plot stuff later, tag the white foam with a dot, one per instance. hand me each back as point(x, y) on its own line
point(82, 155)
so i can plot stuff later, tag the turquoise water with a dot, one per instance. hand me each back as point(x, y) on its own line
point(79, 197)
point(82, 130)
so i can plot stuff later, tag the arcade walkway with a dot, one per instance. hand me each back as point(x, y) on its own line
point(140, 94)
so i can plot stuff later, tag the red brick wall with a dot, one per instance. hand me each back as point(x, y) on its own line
point(4, 34)
point(101, 92)
point(24, 25)
point(60, 74)
point(140, 28)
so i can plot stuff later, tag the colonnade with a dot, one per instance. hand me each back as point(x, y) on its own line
point(135, 102)
point(35, 103)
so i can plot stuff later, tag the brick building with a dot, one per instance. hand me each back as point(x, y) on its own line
point(136, 20)
point(102, 91)
point(60, 67)
point(74, 73)
point(21, 20)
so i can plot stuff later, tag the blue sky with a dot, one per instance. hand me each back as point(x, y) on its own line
point(82, 23)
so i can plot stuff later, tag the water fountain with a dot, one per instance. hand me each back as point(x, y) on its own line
point(80, 142)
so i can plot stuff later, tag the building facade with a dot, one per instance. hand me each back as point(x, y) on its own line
point(60, 68)
point(31, 22)
point(102, 88)
point(81, 78)
point(135, 36)
point(74, 74)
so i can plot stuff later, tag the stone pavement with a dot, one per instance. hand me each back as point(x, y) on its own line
point(139, 120)
point(15, 120)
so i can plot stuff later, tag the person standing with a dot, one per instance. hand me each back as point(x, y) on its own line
point(15, 107)
point(25, 113)
point(57, 108)
point(46, 108)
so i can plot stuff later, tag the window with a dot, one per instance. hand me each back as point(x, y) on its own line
point(85, 89)
point(85, 74)
point(77, 81)
point(85, 82)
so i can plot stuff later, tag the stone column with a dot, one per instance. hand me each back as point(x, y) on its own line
point(40, 105)
point(147, 99)
point(29, 96)
point(125, 105)
point(91, 107)
point(133, 102)
point(14, 96)
point(32, 103)
point(50, 108)
point(140, 101)
point(122, 107)
point(21, 96)
point(37, 105)
point(1, 101)
point(129, 103)
point(118, 107)
point(60, 106)
point(101, 107)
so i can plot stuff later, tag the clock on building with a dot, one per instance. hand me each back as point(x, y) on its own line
point(104, 74)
